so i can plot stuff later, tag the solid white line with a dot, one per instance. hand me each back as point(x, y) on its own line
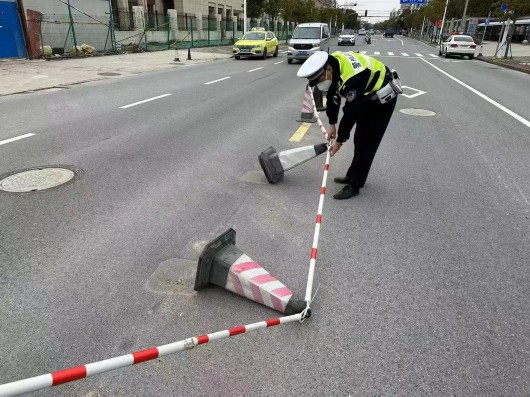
point(390, 53)
point(404, 54)
point(253, 70)
point(376, 53)
point(15, 138)
point(276, 63)
point(434, 56)
point(144, 101)
point(480, 94)
point(420, 55)
point(215, 81)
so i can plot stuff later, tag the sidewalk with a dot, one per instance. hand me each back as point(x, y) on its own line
point(20, 76)
point(520, 56)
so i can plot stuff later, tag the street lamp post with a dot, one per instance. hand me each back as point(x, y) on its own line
point(244, 16)
point(443, 23)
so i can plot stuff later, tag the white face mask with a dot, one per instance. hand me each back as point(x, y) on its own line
point(324, 86)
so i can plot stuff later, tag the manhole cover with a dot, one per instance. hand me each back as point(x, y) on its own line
point(35, 179)
point(417, 112)
point(109, 74)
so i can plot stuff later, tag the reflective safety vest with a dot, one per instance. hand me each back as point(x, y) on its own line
point(352, 63)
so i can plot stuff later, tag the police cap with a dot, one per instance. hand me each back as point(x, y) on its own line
point(313, 67)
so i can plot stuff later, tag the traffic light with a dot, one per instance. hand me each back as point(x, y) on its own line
point(365, 13)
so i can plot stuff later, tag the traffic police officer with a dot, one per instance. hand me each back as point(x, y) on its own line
point(370, 91)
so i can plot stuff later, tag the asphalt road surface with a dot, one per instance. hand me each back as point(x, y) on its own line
point(423, 280)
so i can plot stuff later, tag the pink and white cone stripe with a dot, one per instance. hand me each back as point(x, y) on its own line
point(247, 278)
point(314, 248)
point(306, 104)
point(84, 371)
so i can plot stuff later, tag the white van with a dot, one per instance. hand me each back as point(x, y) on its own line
point(307, 39)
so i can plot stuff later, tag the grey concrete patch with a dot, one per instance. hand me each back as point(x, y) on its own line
point(199, 246)
point(173, 277)
point(254, 177)
point(417, 112)
point(110, 74)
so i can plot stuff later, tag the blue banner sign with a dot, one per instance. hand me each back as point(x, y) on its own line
point(412, 1)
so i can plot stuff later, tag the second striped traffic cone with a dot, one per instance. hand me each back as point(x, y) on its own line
point(223, 264)
point(307, 115)
point(274, 164)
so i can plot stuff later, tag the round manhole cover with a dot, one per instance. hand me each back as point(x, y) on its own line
point(35, 179)
point(417, 112)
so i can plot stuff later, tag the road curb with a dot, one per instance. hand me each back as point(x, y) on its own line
point(504, 65)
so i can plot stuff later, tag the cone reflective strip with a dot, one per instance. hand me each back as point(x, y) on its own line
point(314, 248)
point(247, 278)
point(294, 157)
point(84, 371)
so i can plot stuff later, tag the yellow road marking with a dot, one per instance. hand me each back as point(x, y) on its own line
point(300, 132)
point(304, 127)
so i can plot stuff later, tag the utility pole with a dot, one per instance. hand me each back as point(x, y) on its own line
point(443, 23)
point(72, 26)
point(463, 23)
point(244, 16)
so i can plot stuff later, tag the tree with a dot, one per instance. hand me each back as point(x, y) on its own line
point(272, 8)
point(255, 8)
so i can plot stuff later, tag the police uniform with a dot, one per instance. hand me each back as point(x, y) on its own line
point(364, 83)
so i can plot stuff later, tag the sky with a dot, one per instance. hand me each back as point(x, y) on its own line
point(379, 8)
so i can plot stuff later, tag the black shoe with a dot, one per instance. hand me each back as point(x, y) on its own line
point(347, 192)
point(342, 179)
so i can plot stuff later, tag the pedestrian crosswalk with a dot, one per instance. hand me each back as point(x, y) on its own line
point(400, 54)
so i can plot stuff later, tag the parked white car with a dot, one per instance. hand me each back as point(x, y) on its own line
point(347, 37)
point(458, 44)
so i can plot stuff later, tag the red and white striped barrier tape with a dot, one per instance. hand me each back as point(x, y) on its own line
point(322, 128)
point(314, 248)
point(84, 371)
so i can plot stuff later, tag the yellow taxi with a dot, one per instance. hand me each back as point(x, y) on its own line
point(256, 43)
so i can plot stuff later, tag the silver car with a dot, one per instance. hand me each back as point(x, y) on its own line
point(458, 44)
point(347, 37)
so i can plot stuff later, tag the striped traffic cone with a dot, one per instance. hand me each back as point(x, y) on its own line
point(307, 116)
point(224, 265)
point(274, 164)
point(319, 99)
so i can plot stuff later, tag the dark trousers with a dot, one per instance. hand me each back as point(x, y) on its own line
point(372, 121)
